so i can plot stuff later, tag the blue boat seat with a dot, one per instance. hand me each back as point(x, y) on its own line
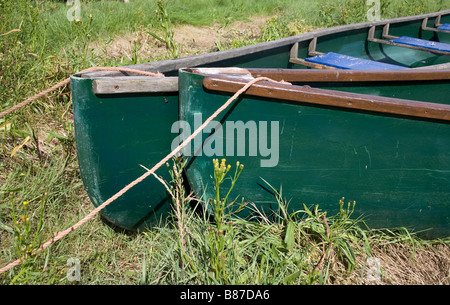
point(445, 27)
point(348, 62)
point(416, 42)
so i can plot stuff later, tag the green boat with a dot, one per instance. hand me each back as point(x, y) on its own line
point(326, 136)
point(394, 162)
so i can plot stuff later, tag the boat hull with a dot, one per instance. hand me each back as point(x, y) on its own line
point(115, 135)
point(117, 131)
point(396, 168)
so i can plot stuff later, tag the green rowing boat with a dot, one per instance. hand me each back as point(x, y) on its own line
point(123, 121)
point(326, 136)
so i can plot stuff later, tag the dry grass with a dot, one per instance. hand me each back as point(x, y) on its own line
point(403, 265)
point(398, 263)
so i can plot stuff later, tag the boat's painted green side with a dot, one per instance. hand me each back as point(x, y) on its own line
point(396, 168)
point(114, 136)
point(117, 132)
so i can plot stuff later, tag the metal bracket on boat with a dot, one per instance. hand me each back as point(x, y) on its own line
point(294, 59)
point(437, 23)
point(386, 35)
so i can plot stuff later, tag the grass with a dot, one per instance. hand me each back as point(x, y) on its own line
point(38, 166)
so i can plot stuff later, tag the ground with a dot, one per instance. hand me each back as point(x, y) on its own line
point(192, 40)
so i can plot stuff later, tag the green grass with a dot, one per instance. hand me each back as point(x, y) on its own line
point(304, 248)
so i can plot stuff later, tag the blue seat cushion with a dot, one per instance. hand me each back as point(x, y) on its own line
point(348, 62)
point(445, 27)
point(433, 45)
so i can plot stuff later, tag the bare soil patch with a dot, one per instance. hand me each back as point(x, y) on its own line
point(191, 39)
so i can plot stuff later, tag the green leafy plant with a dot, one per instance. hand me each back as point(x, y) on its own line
point(27, 238)
point(342, 12)
point(165, 25)
point(222, 209)
point(178, 193)
point(220, 239)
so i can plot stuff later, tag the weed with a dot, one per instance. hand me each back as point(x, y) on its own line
point(26, 237)
point(220, 239)
point(165, 25)
point(343, 12)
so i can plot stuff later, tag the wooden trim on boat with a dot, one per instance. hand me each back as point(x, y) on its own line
point(140, 84)
point(134, 84)
point(435, 67)
point(435, 29)
point(437, 22)
point(304, 75)
point(294, 59)
point(300, 61)
point(371, 38)
point(332, 98)
point(312, 48)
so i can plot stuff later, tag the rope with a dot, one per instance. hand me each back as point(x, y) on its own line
point(67, 80)
point(9, 32)
point(145, 175)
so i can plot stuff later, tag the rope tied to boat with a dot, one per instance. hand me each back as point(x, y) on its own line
point(67, 80)
point(149, 172)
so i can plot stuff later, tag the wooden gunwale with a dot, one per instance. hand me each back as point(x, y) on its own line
point(139, 84)
point(333, 98)
point(290, 75)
